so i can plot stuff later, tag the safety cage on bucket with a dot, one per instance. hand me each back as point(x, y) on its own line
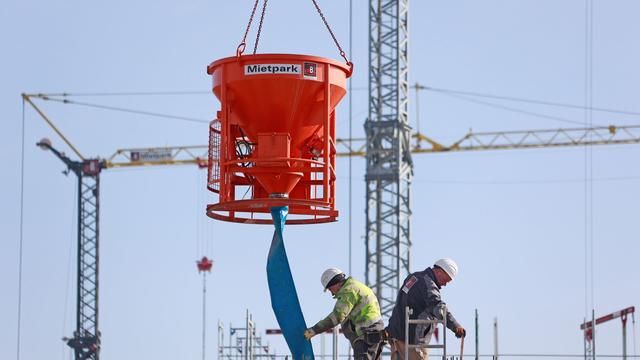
point(273, 142)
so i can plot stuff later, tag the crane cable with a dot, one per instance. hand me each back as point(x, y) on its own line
point(335, 40)
point(524, 100)
point(633, 327)
point(511, 109)
point(123, 93)
point(350, 134)
point(132, 111)
point(422, 87)
point(20, 248)
point(589, 120)
point(68, 275)
point(588, 174)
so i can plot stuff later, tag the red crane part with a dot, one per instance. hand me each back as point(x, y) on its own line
point(273, 142)
point(204, 264)
point(618, 314)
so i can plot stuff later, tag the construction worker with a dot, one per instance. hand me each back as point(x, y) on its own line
point(358, 312)
point(421, 293)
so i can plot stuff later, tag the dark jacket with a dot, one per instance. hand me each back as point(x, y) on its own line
point(420, 292)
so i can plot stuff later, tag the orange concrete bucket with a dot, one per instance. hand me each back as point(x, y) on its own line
point(273, 142)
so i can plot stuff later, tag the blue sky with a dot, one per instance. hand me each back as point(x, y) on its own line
point(513, 220)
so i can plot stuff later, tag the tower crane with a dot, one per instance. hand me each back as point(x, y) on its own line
point(86, 337)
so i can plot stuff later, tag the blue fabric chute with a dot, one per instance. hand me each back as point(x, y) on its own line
point(284, 297)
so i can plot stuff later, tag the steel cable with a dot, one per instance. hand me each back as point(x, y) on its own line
point(633, 327)
point(120, 109)
point(530, 101)
point(516, 110)
point(69, 267)
point(20, 247)
point(350, 134)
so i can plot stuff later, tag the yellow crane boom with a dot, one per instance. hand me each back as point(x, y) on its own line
point(472, 141)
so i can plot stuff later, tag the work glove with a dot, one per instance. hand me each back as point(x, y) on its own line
point(309, 333)
point(460, 332)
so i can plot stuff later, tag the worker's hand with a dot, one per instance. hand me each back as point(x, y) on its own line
point(309, 333)
point(460, 332)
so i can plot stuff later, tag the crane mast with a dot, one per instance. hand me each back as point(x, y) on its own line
point(389, 167)
point(86, 338)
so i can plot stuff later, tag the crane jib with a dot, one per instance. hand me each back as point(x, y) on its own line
point(284, 297)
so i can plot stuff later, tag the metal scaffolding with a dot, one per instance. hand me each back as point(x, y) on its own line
point(243, 343)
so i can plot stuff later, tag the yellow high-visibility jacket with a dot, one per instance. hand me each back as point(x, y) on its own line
point(355, 302)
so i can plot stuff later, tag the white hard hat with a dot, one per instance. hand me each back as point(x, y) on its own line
point(328, 275)
point(449, 266)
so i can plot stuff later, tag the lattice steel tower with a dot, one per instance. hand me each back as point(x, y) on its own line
point(389, 166)
point(86, 338)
